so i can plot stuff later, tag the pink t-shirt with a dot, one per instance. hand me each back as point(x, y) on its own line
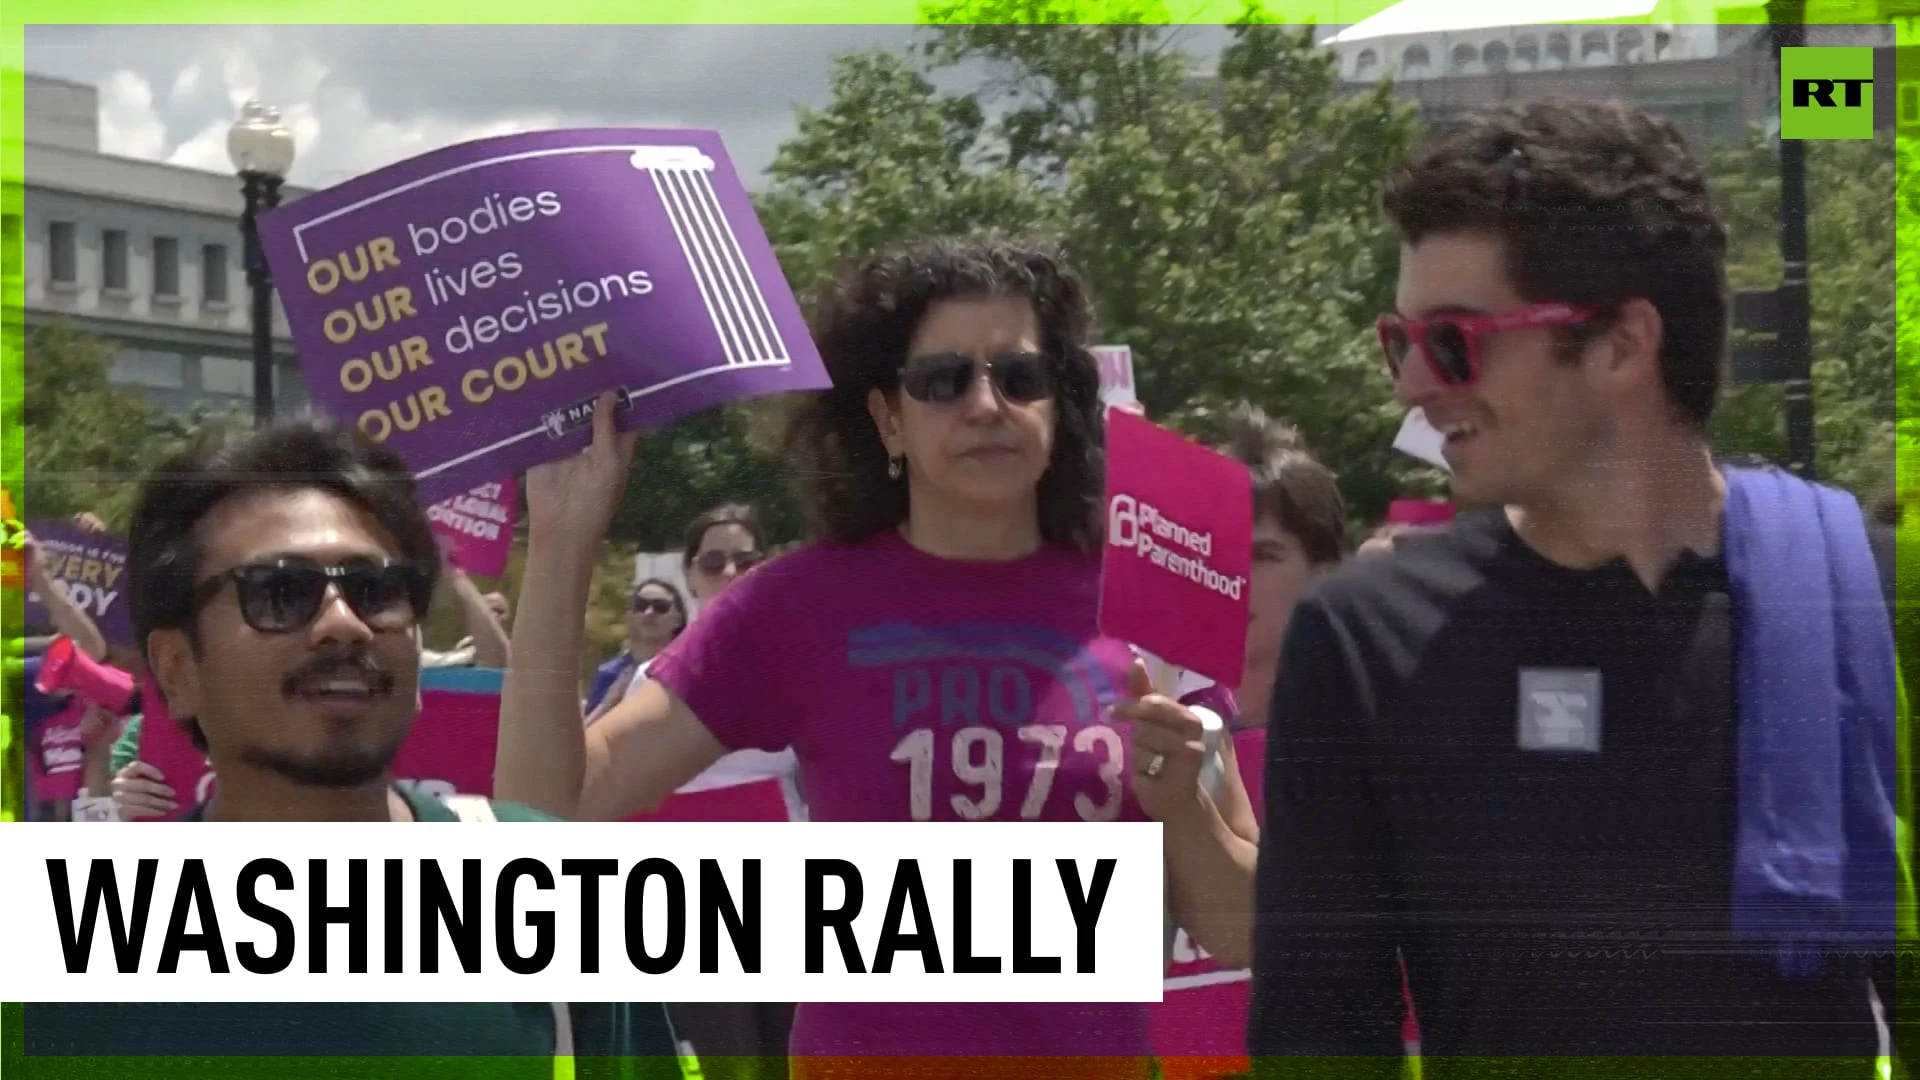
point(913, 688)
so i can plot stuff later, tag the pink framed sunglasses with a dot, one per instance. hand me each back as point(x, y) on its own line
point(1451, 341)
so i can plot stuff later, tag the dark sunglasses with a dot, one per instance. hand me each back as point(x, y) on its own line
point(651, 605)
point(286, 594)
point(715, 562)
point(942, 378)
point(1451, 342)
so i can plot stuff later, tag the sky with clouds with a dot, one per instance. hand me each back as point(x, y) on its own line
point(360, 97)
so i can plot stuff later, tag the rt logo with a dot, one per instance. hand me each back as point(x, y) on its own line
point(1826, 93)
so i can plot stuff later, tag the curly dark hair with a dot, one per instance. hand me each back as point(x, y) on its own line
point(1598, 203)
point(1290, 485)
point(863, 331)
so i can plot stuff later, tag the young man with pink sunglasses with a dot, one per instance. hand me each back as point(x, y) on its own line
point(1611, 764)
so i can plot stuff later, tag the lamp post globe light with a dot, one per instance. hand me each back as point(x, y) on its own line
point(261, 148)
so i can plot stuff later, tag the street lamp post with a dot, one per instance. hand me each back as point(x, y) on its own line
point(1795, 327)
point(262, 151)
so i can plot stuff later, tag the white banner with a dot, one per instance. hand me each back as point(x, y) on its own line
point(234, 912)
point(1116, 374)
point(1419, 439)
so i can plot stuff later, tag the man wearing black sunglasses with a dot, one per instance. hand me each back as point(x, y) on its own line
point(1582, 757)
point(277, 585)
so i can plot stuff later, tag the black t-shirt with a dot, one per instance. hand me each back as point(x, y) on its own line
point(1521, 777)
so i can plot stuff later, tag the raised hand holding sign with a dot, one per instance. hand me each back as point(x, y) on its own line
point(466, 307)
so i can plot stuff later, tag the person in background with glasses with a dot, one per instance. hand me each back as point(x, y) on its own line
point(655, 615)
point(1585, 756)
point(721, 544)
point(277, 585)
point(934, 656)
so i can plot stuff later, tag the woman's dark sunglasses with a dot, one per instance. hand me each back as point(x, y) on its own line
point(715, 561)
point(651, 605)
point(284, 595)
point(942, 378)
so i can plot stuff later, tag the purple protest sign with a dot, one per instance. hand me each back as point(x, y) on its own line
point(91, 568)
point(466, 306)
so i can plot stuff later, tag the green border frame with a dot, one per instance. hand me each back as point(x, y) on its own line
point(18, 14)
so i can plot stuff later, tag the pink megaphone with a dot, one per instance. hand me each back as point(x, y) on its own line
point(67, 669)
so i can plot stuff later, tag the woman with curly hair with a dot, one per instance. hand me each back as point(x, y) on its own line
point(934, 656)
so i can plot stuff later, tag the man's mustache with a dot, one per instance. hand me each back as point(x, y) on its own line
point(330, 665)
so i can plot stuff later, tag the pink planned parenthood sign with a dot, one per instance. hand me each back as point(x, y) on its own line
point(477, 526)
point(465, 307)
point(1179, 552)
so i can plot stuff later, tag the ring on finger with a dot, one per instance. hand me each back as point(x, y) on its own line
point(1155, 765)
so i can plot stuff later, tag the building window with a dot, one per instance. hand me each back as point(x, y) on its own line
point(1593, 47)
point(1630, 46)
point(1365, 64)
point(63, 253)
point(1526, 52)
point(288, 388)
point(1495, 56)
point(1415, 59)
point(213, 273)
point(166, 266)
point(226, 375)
point(1559, 49)
point(151, 368)
point(1465, 56)
point(113, 259)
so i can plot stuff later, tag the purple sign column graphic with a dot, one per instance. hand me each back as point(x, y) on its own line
point(466, 306)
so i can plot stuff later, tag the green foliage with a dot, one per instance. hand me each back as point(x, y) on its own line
point(88, 443)
point(1851, 275)
point(1216, 215)
point(702, 461)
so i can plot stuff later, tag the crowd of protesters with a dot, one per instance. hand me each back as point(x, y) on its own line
point(1501, 783)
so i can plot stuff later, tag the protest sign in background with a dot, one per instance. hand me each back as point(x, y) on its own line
point(1116, 375)
point(465, 307)
point(449, 751)
point(478, 526)
point(91, 567)
point(57, 753)
point(1179, 552)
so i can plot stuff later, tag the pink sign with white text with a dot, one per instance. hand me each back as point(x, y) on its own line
point(56, 760)
point(1179, 551)
point(478, 526)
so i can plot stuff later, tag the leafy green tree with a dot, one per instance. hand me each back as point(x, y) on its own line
point(88, 443)
point(1226, 219)
point(1851, 274)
